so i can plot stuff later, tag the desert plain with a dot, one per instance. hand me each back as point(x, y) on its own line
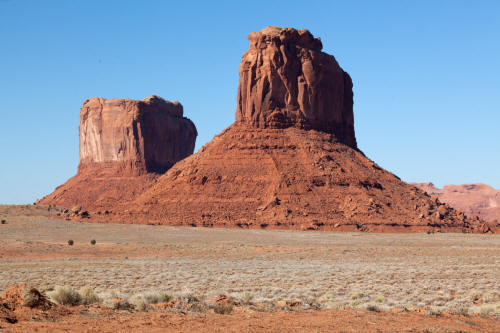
point(280, 223)
point(237, 280)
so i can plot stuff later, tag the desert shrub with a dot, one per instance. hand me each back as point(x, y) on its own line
point(65, 296)
point(358, 296)
point(88, 296)
point(356, 303)
point(474, 297)
point(247, 297)
point(380, 299)
point(116, 303)
point(142, 301)
point(4, 221)
point(32, 297)
point(372, 307)
point(93, 242)
point(333, 305)
point(71, 242)
point(189, 299)
point(328, 296)
point(139, 302)
point(223, 308)
point(489, 309)
point(462, 310)
point(154, 298)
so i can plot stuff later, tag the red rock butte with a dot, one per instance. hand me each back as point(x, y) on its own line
point(289, 161)
point(124, 145)
point(285, 81)
point(474, 199)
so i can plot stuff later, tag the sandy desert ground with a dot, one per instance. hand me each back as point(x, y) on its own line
point(283, 280)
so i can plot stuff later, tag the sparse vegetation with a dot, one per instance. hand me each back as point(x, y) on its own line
point(4, 221)
point(142, 301)
point(258, 269)
point(65, 295)
point(372, 307)
point(93, 242)
point(486, 309)
point(247, 297)
point(116, 303)
point(358, 295)
point(462, 310)
point(223, 308)
point(71, 242)
point(88, 296)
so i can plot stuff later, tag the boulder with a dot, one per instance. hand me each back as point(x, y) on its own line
point(20, 295)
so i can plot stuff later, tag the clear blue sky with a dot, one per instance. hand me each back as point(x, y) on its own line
point(426, 77)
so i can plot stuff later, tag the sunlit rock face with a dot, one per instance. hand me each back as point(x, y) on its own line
point(148, 135)
point(125, 145)
point(287, 81)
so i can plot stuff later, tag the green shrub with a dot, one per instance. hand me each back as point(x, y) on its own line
point(93, 242)
point(71, 242)
point(4, 221)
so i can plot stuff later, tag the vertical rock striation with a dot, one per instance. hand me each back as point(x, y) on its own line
point(285, 81)
point(290, 160)
point(141, 136)
point(124, 146)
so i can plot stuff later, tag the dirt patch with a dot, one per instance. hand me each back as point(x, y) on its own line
point(93, 319)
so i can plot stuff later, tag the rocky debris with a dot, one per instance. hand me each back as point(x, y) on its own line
point(473, 199)
point(124, 146)
point(21, 302)
point(21, 295)
point(285, 80)
point(277, 173)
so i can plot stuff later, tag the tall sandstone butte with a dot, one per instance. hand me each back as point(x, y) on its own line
point(285, 81)
point(290, 160)
point(124, 145)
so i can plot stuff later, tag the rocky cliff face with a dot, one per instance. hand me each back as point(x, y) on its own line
point(285, 81)
point(124, 146)
point(472, 199)
point(148, 135)
point(290, 160)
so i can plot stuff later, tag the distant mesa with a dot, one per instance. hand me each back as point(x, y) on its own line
point(473, 199)
point(289, 161)
point(143, 136)
point(124, 145)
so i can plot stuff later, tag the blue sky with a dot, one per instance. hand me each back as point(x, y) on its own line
point(426, 77)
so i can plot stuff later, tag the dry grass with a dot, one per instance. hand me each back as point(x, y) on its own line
point(65, 295)
point(333, 270)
